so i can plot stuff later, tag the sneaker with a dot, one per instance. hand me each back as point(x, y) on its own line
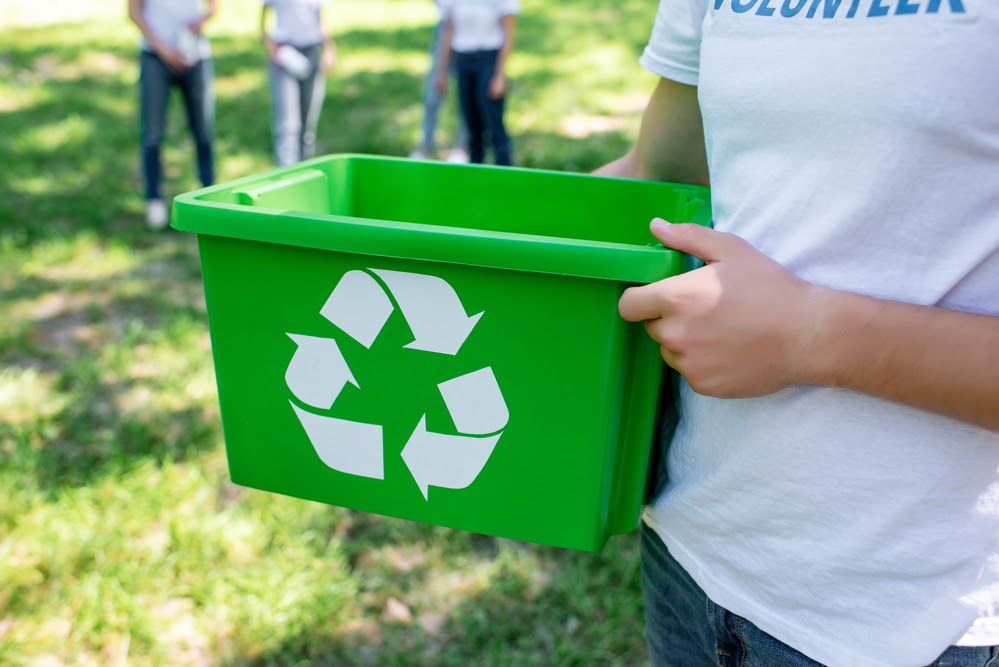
point(418, 155)
point(156, 214)
point(457, 156)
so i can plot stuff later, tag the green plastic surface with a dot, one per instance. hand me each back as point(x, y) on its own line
point(532, 421)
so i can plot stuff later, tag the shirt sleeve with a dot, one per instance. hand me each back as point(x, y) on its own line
point(674, 49)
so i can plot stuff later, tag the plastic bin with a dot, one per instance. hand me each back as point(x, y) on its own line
point(438, 342)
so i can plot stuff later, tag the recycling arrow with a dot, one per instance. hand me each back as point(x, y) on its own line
point(448, 461)
point(317, 372)
point(432, 310)
point(358, 306)
point(455, 461)
point(351, 447)
point(475, 402)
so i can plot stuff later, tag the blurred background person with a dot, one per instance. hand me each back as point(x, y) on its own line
point(433, 99)
point(478, 34)
point(174, 53)
point(301, 52)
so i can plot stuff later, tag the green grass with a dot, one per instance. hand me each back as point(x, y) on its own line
point(122, 542)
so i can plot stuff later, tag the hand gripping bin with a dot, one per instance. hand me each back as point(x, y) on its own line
point(438, 342)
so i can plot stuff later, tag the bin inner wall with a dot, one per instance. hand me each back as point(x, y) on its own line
point(516, 201)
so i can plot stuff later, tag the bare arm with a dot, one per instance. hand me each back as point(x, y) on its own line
point(168, 55)
point(265, 11)
point(670, 144)
point(931, 358)
point(743, 325)
point(329, 46)
point(444, 54)
point(211, 8)
point(135, 13)
point(498, 84)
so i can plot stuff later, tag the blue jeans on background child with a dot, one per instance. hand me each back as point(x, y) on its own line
point(686, 629)
point(196, 85)
point(296, 106)
point(433, 100)
point(483, 114)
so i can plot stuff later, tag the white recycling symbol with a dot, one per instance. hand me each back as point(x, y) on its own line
point(318, 372)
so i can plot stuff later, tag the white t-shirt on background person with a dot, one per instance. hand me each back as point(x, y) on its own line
point(856, 142)
point(168, 19)
point(297, 22)
point(477, 24)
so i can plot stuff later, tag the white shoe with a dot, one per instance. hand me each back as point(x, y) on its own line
point(457, 156)
point(419, 155)
point(156, 214)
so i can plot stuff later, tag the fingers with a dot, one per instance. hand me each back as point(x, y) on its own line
point(701, 242)
point(497, 87)
point(656, 300)
point(638, 304)
point(693, 289)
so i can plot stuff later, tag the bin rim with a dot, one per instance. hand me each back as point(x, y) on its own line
point(195, 212)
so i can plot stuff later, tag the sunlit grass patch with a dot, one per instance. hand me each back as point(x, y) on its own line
point(26, 394)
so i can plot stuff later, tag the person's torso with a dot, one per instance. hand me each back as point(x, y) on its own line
point(169, 18)
point(857, 143)
point(297, 22)
point(477, 23)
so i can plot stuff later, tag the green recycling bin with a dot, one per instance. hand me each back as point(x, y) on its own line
point(438, 342)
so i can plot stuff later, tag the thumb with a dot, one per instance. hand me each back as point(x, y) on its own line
point(701, 242)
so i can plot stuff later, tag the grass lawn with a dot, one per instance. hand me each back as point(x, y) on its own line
point(122, 542)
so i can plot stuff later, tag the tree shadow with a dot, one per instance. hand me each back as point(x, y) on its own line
point(555, 614)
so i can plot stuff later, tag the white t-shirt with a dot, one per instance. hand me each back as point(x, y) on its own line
point(857, 143)
point(297, 22)
point(168, 18)
point(477, 24)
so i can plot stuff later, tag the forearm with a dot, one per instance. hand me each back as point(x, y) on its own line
point(135, 13)
point(327, 31)
point(210, 7)
point(938, 360)
point(509, 29)
point(444, 48)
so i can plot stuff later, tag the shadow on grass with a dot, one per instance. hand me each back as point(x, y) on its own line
point(93, 336)
point(556, 614)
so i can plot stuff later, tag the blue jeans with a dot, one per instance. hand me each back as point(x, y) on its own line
point(483, 114)
point(296, 107)
point(433, 100)
point(686, 629)
point(197, 89)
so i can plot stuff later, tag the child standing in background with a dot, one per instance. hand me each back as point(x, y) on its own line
point(478, 34)
point(174, 53)
point(432, 101)
point(301, 51)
